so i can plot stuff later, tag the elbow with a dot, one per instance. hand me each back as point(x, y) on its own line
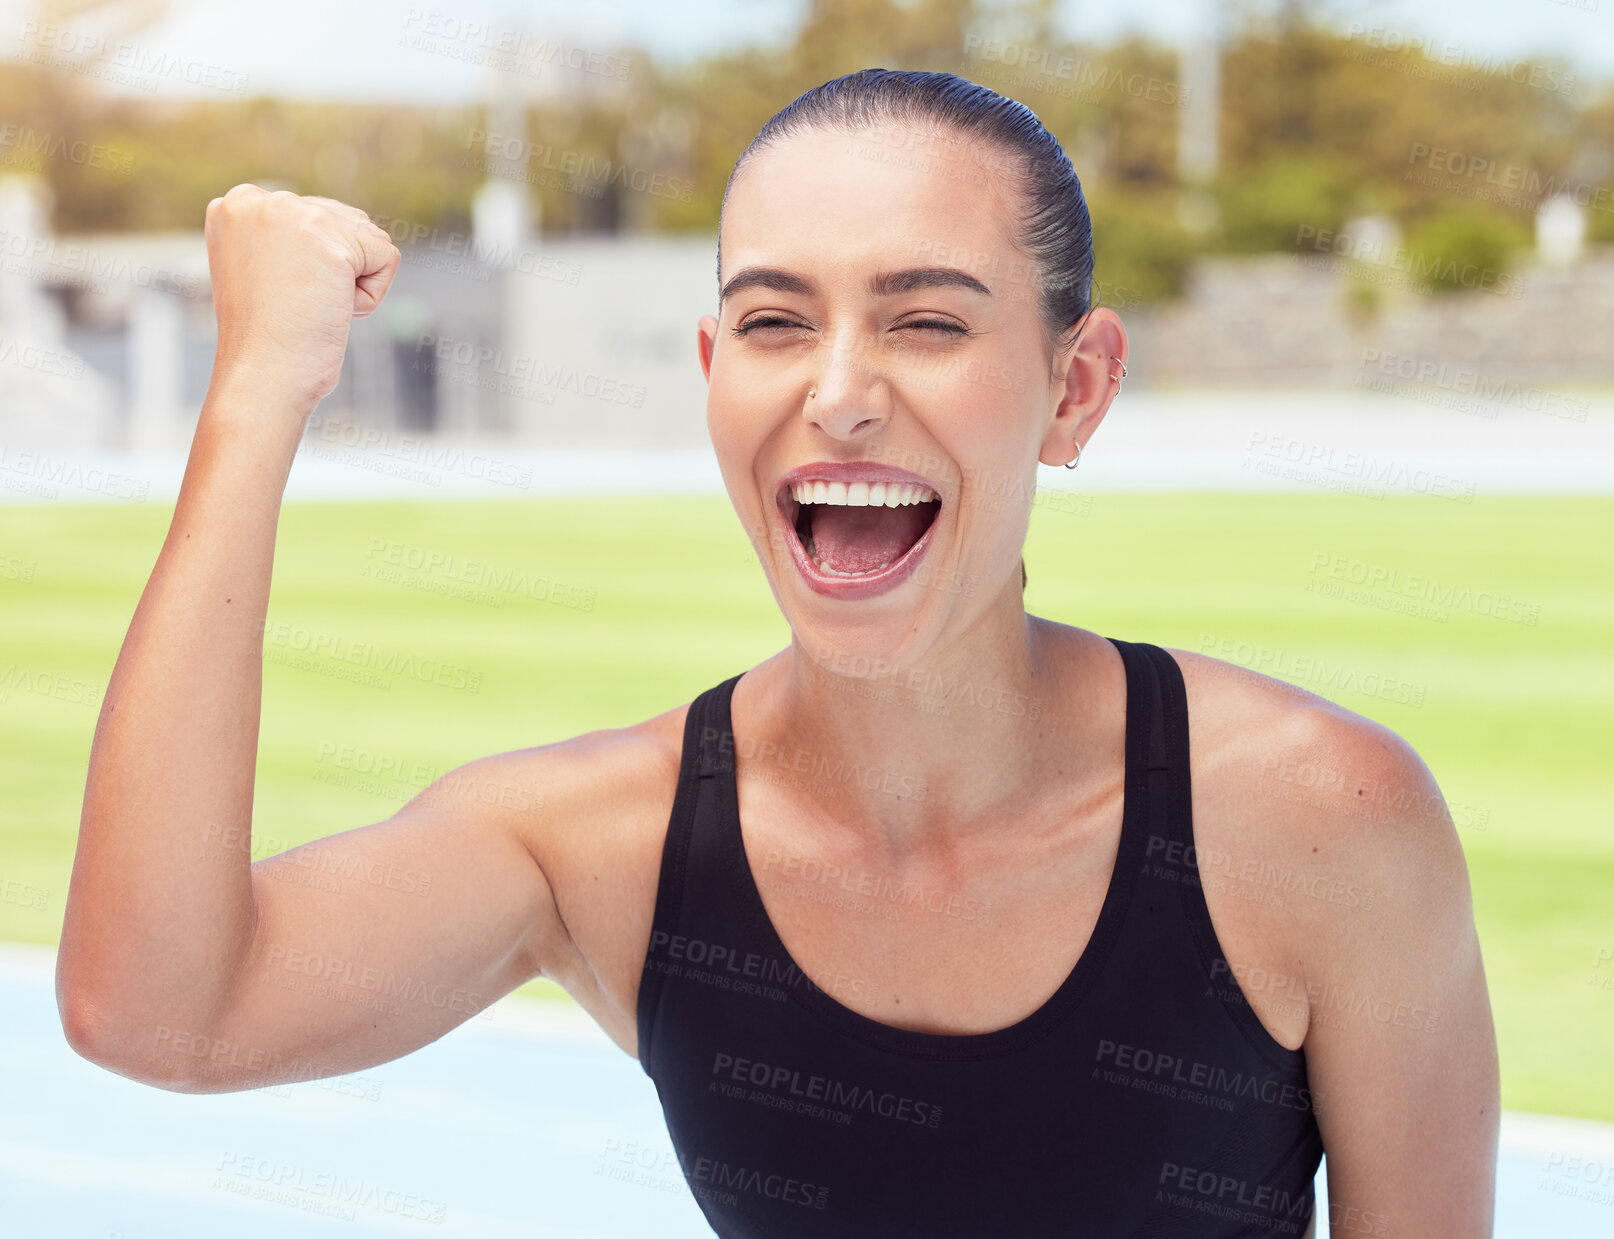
point(99, 1036)
point(93, 1033)
point(90, 1022)
point(84, 1024)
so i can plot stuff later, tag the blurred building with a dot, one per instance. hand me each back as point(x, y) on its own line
point(488, 333)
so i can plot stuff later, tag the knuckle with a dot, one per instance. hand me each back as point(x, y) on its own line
point(338, 248)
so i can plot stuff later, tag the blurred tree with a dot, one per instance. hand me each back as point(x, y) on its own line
point(1140, 250)
point(50, 94)
point(1264, 207)
point(1465, 246)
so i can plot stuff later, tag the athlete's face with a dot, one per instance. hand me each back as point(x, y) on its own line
point(879, 330)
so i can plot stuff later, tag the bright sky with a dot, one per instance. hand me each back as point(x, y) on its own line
point(361, 49)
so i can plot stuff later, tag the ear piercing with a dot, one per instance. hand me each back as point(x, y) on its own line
point(1114, 378)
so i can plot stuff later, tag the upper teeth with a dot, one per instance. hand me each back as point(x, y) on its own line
point(861, 494)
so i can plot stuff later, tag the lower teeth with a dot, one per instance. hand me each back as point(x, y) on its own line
point(827, 570)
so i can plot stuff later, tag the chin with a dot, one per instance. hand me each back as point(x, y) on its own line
point(873, 640)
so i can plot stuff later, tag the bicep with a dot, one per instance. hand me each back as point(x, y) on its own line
point(371, 943)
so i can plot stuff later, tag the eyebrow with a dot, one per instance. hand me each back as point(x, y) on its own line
point(882, 284)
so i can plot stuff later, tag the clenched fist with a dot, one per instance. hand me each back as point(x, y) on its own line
point(290, 273)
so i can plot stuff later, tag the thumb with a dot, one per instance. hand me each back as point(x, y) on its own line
point(377, 267)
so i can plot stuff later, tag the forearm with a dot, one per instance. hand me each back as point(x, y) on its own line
point(160, 906)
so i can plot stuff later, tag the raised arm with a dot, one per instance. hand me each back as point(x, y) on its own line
point(174, 941)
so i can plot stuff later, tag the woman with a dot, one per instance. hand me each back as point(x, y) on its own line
point(997, 950)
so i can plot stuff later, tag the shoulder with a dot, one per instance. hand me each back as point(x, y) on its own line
point(591, 812)
point(1301, 748)
point(592, 783)
point(596, 773)
point(1331, 809)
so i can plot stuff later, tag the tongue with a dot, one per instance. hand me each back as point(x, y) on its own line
point(865, 539)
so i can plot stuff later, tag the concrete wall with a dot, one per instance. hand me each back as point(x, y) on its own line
point(1281, 319)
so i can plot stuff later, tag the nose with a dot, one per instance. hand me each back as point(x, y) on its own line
point(852, 398)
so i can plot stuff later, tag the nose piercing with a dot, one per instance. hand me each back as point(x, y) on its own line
point(811, 392)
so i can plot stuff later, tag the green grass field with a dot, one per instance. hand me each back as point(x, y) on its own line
point(1514, 717)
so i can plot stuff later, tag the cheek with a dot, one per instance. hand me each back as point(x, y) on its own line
point(739, 431)
point(989, 424)
point(995, 447)
point(724, 414)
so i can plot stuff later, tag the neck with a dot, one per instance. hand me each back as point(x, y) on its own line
point(941, 749)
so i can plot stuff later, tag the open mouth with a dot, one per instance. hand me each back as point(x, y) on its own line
point(856, 538)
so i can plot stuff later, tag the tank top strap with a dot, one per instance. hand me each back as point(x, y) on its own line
point(713, 742)
point(1158, 740)
point(707, 756)
point(1173, 872)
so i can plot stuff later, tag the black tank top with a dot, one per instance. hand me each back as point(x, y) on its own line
point(1144, 1098)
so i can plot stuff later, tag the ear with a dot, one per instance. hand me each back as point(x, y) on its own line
point(1082, 378)
point(705, 342)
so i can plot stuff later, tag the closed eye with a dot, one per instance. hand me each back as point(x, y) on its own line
point(765, 320)
point(937, 325)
